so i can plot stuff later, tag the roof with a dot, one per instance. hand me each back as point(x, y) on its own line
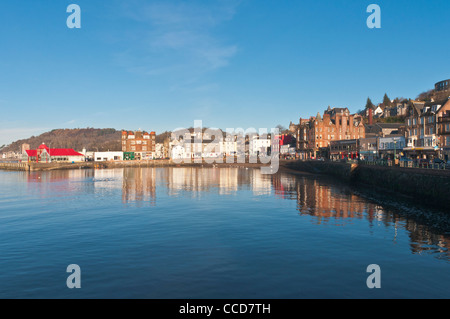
point(43, 146)
point(55, 152)
point(63, 152)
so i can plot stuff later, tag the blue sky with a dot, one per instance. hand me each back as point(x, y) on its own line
point(160, 65)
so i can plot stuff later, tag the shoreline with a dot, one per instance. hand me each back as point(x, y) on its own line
point(123, 164)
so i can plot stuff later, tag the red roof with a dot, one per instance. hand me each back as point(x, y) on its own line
point(43, 146)
point(55, 152)
point(63, 152)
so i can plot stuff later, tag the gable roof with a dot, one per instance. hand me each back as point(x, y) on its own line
point(63, 152)
point(54, 152)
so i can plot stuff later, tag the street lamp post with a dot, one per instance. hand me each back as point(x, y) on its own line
point(395, 150)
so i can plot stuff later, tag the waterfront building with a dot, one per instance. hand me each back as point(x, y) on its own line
point(390, 147)
point(229, 145)
point(260, 145)
point(444, 134)
point(44, 154)
point(200, 145)
point(345, 149)
point(369, 148)
point(422, 124)
point(316, 133)
point(277, 143)
point(108, 156)
point(139, 145)
point(160, 150)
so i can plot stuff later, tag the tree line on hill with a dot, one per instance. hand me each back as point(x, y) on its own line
point(92, 139)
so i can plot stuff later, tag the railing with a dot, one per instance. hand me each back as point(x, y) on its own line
point(408, 164)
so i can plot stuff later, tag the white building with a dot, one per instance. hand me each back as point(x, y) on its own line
point(229, 147)
point(178, 152)
point(108, 156)
point(260, 145)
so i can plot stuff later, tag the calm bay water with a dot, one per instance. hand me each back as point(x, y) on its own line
point(213, 233)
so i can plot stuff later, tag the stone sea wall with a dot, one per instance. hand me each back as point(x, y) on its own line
point(423, 184)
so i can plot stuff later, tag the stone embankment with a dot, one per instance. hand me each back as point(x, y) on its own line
point(424, 184)
point(121, 164)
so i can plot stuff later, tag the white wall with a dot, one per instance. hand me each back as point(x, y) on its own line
point(108, 156)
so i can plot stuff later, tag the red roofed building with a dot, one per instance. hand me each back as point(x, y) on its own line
point(44, 154)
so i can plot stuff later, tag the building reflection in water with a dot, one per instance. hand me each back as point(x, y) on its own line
point(196, 181)
point(326, 202)
point(139, 185)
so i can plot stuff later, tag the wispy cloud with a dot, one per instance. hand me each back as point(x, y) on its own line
point(177, 37)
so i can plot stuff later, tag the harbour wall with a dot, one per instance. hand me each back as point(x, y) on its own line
point(427, 185)
point(115, 164)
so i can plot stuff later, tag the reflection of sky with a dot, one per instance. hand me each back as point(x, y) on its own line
point(325, 202)
point(208, 234)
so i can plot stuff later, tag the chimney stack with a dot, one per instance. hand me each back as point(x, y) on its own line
point(370, 116)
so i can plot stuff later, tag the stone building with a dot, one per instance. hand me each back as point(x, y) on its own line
point(423, 137)
point(315, 134)
point(442, 86)
point(444, 133)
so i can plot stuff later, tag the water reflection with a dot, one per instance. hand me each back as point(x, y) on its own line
point(139, 185)
point(324, 201)
point(221, 181)
point(330, 202)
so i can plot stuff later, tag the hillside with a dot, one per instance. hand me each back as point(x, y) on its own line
point(89, 138)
